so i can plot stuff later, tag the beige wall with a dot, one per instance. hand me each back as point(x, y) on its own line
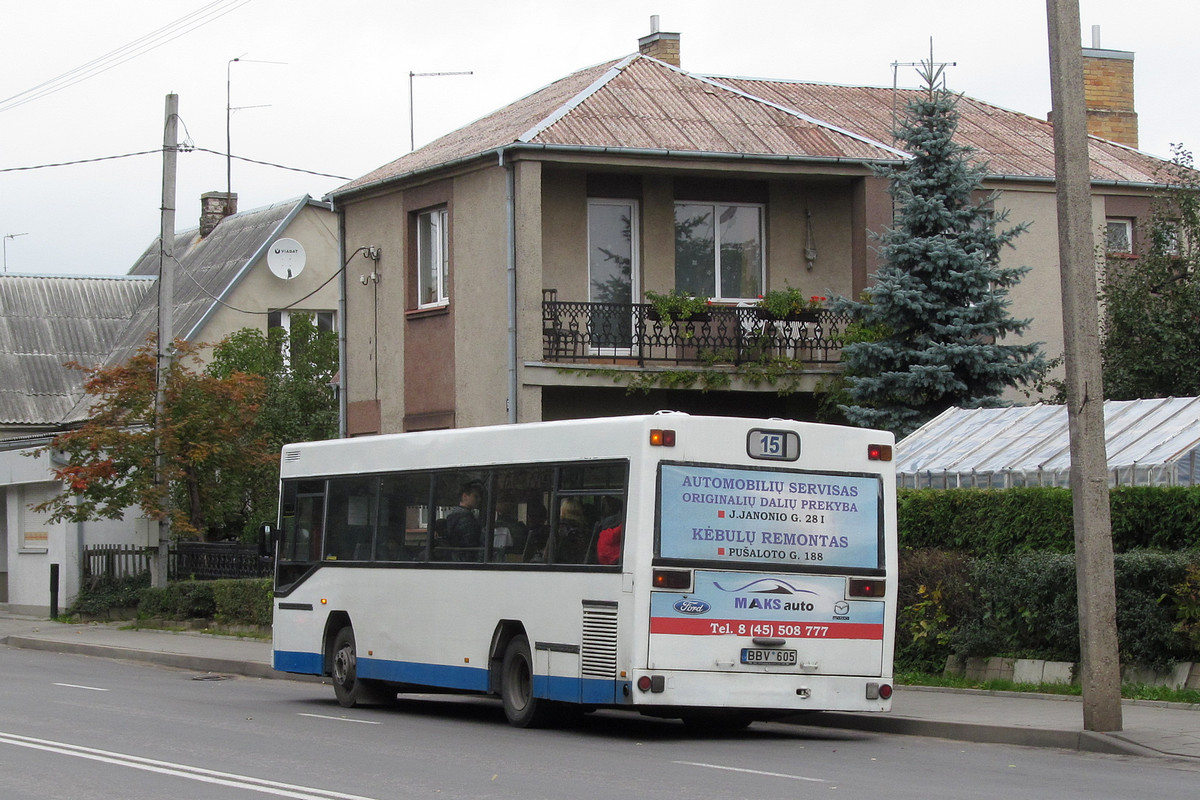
point(374, 311)
point(260, 291)
point(479, 296)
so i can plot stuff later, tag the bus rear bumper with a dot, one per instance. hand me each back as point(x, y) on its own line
point(781, 692)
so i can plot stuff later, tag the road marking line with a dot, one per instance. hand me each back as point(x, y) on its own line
point(341, 719)
point(179, 770)
point(77, 686)
point(751, 771)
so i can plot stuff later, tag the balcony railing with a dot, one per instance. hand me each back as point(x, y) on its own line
point(618, 333)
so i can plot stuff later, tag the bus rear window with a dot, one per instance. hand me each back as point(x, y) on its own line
point(797, 520)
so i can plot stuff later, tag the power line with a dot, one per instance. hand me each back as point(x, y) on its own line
point(140, 46)
point(182, 149)
point(269, 164)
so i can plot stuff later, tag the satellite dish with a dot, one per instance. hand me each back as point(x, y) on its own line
point(285, 259)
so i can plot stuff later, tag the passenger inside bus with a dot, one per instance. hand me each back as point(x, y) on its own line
point(508, 532)
point(464, 531)
point(573, 532)
point(606, 538)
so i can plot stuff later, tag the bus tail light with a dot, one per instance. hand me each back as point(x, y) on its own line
point(652, 683)
point(879, 452)
point(865, 587)
point(879, 691)
point(662, 438)
point(672, 579)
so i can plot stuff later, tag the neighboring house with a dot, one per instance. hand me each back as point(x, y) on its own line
point(222, 283)
point(516, 252)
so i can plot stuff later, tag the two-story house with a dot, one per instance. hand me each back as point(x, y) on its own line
point(516, 252)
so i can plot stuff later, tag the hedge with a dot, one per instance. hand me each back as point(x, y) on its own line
point(1024, 606)
point(1002, 521)
point(229, 602)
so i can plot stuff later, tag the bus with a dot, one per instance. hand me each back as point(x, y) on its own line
point(717, 570)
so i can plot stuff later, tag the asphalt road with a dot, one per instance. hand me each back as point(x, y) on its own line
point(83, 728)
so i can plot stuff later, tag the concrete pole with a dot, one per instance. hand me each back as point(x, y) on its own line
point(1101, 672)
point(166, 335)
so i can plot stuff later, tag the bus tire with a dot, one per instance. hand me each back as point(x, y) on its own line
point(350, 689)
point(522, 709)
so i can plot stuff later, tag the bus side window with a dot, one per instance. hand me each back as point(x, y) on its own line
point(350, 528)
point(403, 528)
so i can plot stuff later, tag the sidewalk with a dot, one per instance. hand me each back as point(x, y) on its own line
point(1150, 729)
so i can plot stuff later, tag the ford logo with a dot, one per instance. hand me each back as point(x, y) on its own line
point(692, 607)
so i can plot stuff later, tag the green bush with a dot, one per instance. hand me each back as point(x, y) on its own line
point(178, 600)
point(934, 598)
point(105, 595)
point(1024, 606)
point(243, 602)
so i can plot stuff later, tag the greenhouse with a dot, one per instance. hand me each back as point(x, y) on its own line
point(1149, 443)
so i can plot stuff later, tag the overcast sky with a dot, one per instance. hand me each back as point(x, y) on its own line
point(324, 86)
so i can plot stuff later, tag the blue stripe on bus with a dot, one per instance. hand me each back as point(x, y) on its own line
point(592, 691)
point(304, 663)
point(468, 679)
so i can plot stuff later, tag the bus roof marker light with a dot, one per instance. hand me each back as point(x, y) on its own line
point(879, 452)
point(660, 437)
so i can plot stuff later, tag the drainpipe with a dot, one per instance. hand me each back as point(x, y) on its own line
point(510, 182)
point(342, 324)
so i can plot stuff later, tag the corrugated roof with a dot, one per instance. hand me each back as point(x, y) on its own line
point(641, 104)
point(1149, 443)
point(46, 321)
point(207, 269)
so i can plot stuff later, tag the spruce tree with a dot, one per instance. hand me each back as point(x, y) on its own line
point(932, 325)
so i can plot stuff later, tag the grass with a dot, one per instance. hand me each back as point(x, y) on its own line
point(1129, 691)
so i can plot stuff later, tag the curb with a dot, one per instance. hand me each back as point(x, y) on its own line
point(229, 666)
point(1084, 741)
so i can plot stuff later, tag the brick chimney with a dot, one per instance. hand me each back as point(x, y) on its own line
point(214, 207)
point(1108, 93)
point(660, 45)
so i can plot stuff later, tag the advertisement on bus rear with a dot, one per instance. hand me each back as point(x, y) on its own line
point(795, 519)
point(724, 604)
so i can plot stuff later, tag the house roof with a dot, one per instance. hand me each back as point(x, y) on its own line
point(207, 270)
point(1149, 443)
point(46, 321)
point(639, 104)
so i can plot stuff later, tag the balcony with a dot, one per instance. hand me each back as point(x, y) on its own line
point(631, 335)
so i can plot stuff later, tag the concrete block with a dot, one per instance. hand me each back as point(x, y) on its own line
point(1028, 670)
point(1058, 672)
point(1000, 669)
point(975, 669)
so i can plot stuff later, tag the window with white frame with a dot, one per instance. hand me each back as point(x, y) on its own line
point(324, 320)
point(1118, 235)
point(719, 250)
point(433, 258)
point(612, 270)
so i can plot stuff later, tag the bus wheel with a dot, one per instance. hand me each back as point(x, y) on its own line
point(522, 709)
point(351, 690)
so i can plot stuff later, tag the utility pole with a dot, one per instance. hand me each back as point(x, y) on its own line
point(166, 335)
point(1101, 669)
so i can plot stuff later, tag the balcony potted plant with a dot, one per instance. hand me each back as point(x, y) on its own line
point(789, 304)
point(677, 306)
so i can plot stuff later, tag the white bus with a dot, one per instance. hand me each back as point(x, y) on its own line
point(714, 569)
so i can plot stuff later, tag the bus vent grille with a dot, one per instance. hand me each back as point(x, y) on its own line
point(291, 455)
point(599, 652)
